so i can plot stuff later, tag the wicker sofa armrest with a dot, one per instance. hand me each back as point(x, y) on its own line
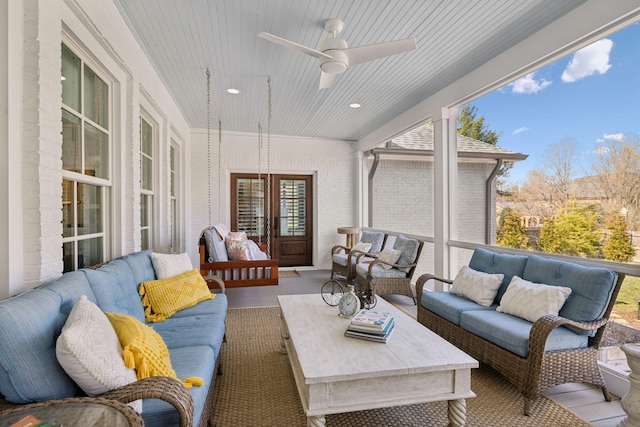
point(360, 254)
point(546, 324)
point(398, 266)
point(339, 248)
point(168, 389)
point(424, 279)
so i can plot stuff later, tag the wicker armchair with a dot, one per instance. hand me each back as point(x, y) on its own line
point(542, 369)
point(344, 259)
point(396, 279)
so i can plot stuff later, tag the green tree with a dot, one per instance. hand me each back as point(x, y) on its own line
point(511, 233)
point(573, 231)
point(618, 246)
point(473, 126)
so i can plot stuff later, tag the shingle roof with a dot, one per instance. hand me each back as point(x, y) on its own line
point(421, 138)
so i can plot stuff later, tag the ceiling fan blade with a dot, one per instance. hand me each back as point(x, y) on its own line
point(326, 80)
point(360, 54)
point(295, 46)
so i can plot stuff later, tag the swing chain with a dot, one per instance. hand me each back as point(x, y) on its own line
point(269, 167)
point(260, 225)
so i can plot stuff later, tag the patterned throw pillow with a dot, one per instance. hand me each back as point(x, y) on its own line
point(531, 301)
point(361, 247)
point(163, 298)
point(169, 265)
point(144, 350)
point(476, 285)
point(390, 256)
point(90, 353)
point(237, 248)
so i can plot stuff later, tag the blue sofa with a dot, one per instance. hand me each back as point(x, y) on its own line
point(31, 322)
point(534, 356)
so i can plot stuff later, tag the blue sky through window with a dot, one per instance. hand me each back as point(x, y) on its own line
point(587, 97)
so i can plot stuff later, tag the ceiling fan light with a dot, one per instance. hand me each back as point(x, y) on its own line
point(355, 105)
point(233, 91)
point(333, 67)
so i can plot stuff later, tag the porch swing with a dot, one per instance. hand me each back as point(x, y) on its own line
point(229, 257)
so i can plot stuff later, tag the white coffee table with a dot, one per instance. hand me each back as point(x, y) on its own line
point(337, 374)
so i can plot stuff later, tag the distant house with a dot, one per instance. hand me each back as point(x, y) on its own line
point(402, 184)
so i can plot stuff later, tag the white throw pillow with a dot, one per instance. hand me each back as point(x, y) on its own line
point(531, 301)
point(89, 351)
point(389, 255)
point(170, 265)
point(476, 285)
point(361, 247)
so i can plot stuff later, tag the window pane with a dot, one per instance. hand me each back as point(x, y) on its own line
point(293, 207)
point(70, 79)
point(96, 145)
point(96, 98)
point(144, 210)
point(147, 173)
point(146, 138)
point(67, 209)
point(250, 207)
point(89, 209)
point(71, 143)
point(172, 163)
point(144, 245)
point(68, 256)
point(90, 252)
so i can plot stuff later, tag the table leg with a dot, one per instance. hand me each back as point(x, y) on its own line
point(457, 412)
point(316, 421)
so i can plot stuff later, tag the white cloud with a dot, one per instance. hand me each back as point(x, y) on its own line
point(602, 150)
point(528, 84)
point(614, 136)
point(519, 130)
point(588, 61)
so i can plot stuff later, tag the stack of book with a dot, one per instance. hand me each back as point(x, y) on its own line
point(371, 325)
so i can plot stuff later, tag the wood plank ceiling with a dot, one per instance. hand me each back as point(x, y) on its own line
point(184, 38)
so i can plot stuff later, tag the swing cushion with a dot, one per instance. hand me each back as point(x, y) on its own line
point(215, 246)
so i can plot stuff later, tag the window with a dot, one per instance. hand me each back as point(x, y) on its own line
point(173, 176)
point(146, 183)
point(86, 144)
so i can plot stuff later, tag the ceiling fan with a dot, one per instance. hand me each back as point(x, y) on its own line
point(334, 54)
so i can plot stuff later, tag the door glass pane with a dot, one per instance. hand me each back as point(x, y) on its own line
point(96, 98)
point(70, 79)
point(96, 152)
point(89, 209)
point(71, 143)
point(67, 209)
point(293, 213)
point(250, 206)
point(89, 252)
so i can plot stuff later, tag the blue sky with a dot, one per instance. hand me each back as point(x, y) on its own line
point(587, 97)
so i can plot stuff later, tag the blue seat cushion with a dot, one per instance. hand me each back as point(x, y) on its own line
point(591, 287)
point(450, 306)
point(116, 289)
point(30, 324)
point(376, 238)
point(512, 333)
point(495, 263)
point(377, 271)
point(408, 251)
point(196, 361)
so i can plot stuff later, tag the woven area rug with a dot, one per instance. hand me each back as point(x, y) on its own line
point(257, 388)
point(288, 273)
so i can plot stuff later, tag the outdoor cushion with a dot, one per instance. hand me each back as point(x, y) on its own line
point(116, 289)
point(32, 320)
point(591, 287)
point(377, 271)
point(215, 246)
point(376, 238)
point(177, 332)
point(169, 265)
point(141, 265)
point(531, 301)
point(495, 263)
point(512, 333)
point(449, 306)
point(389, 255)
point(188, 362)
point(478, 286)
point(408, 250)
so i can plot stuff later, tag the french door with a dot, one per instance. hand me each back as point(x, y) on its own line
point(289, 218)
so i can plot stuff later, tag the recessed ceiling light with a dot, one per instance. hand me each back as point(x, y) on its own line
point(233, 91)
point(355, 105)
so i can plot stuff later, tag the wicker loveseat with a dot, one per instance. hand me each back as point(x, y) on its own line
point(31, 322)
point(534, 356)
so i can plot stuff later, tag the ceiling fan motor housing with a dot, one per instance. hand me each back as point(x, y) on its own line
point(332, 46)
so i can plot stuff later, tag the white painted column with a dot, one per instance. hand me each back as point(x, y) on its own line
point(631, 401)
point(11, 266)
point(445, 175)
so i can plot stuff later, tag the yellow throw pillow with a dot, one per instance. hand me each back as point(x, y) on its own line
point(144, 350)
point(163, 298)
